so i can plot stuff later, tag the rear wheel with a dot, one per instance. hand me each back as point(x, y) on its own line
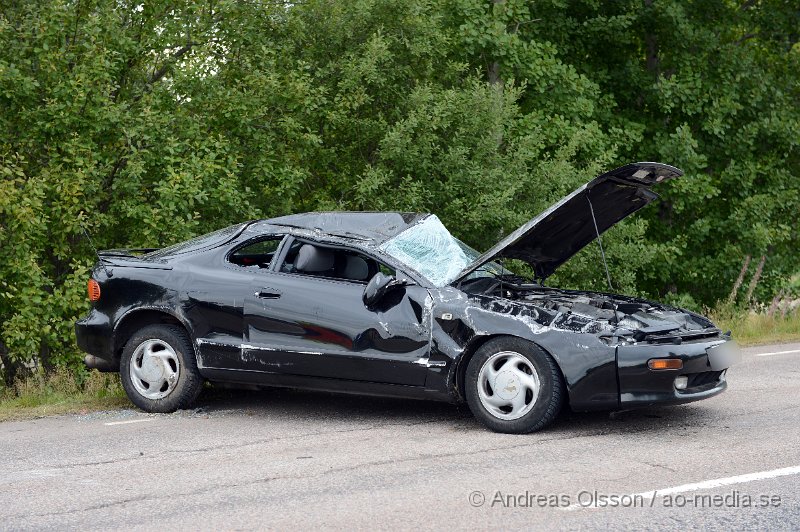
point(513, 386)
point(159, 369)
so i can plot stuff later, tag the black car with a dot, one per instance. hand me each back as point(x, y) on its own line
point(390, 303)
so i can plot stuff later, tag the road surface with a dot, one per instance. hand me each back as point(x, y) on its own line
point(285, 459)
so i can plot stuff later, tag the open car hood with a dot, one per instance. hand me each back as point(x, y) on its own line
point(554, 236)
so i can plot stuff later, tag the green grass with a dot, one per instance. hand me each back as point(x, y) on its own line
point(753, 328)
point(61, 392)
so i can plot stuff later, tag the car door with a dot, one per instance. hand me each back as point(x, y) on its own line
point(318, 326)
point(216, 294)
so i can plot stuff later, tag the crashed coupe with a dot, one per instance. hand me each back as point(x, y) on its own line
point(392, 304)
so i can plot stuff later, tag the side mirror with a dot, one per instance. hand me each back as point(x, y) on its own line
point(379, 286)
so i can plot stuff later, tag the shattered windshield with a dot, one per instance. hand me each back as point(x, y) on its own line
point(430, 249)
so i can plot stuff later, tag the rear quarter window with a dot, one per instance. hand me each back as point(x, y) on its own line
point(259, 253)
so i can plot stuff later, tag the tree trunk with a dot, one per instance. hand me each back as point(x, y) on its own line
point(44, 356)
point(493, 71)
point(9, 368)
point(739, 280)
point(754, 281)
point(651, 44)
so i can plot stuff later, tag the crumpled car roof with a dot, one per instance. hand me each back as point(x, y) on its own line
point(375, 227)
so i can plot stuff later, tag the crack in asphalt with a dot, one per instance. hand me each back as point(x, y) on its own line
point(661, 466)
point(301, 436)
point(305, 435)
point(226, 446)
point(718, 432)
point(374, 463)
point(148, 498)
point(326, 472)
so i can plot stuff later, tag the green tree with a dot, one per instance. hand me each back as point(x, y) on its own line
point(96, 132)
point(711, 87)
point(150, 122)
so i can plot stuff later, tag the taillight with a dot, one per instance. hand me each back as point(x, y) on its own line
point(93, 288)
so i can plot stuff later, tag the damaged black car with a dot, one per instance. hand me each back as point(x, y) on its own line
point(392, 304)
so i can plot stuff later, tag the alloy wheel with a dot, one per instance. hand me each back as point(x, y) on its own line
point(154, 369)
point(508, 385)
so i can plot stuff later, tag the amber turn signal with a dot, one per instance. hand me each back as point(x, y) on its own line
point(93, 287)
point(665, 363)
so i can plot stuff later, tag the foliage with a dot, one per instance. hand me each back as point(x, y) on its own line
point(150, 122)
point(712, 87)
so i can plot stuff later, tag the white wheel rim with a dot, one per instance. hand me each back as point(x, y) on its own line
point(154, 369)
point(508, 385)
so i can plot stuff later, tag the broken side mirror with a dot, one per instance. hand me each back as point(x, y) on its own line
point(379, 287)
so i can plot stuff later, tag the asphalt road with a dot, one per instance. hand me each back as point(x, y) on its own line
point(286, 459)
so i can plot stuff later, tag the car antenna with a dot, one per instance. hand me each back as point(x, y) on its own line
point(602, 253)
point(100, 260)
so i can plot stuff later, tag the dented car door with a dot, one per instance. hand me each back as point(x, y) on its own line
point(315, 326)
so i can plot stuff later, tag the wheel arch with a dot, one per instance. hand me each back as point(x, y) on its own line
point(138, 318)
point(475, 344)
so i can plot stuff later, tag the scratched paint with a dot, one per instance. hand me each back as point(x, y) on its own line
point(316, 332)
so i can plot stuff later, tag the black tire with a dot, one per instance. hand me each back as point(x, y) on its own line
point(542, 409)
point(187, 385)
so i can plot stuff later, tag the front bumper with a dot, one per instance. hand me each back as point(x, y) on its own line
point(94, 335)
point(704, 364)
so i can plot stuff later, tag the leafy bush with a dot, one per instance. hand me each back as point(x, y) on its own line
point(148, 123)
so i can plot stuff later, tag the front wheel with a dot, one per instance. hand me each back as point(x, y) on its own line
point(513, 386)
point(159, 369)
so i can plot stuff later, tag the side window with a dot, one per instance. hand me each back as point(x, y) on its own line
point(256, 254)
point(331, 263)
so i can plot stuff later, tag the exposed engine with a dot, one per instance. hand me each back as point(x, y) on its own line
point(615, 317)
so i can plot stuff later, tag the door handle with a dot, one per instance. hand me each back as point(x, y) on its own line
point(268, 293)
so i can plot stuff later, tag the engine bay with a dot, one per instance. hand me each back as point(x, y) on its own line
point(609, 315)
